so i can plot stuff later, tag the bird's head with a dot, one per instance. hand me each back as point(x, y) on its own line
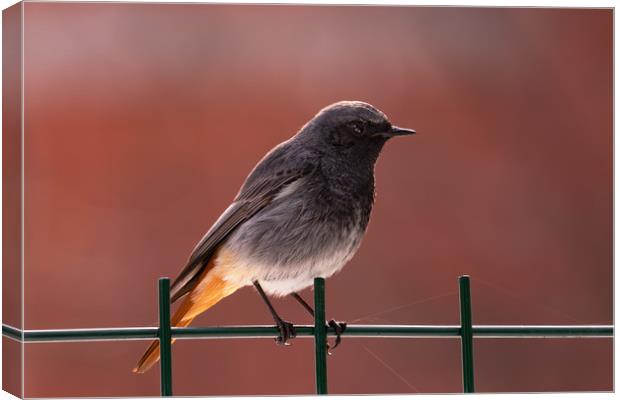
point(353, 127)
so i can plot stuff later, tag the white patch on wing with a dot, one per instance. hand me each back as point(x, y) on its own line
point(289, 189)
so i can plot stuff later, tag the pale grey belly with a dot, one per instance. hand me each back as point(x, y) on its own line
point(287, 246)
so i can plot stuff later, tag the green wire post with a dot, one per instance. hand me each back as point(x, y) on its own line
point(320, 336)
point(165, 337)
point(467, 342)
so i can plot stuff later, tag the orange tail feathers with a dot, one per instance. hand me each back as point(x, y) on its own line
point(211, 289)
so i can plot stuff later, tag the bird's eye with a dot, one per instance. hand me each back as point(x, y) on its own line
point(356, 127)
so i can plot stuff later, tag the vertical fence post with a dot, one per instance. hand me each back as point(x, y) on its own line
point(165, 336)
point(467, 342)
point(320, 336)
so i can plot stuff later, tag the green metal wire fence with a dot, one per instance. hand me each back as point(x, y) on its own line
point(319, 331)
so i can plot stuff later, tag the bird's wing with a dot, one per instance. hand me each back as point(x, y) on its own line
point(265, 182)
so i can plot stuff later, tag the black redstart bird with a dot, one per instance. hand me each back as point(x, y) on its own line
point(300, 214)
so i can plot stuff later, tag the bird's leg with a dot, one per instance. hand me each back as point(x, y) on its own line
point(301, 301)
point(287, 330)
point(338, 326)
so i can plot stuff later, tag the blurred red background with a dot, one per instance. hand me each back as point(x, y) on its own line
point(142, 120)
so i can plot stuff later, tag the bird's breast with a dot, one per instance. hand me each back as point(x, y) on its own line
point(311, 232)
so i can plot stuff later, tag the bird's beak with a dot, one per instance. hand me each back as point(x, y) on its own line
point(397, 131)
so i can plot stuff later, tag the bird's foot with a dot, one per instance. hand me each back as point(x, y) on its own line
point(287, 331)
point(339, 327)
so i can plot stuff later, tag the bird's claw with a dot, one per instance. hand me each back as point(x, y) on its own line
point(287, 331)
point(339, 327)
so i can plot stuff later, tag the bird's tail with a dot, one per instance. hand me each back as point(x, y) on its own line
point(210, 289)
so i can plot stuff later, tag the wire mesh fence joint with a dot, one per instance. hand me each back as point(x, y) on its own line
point(320, 336)
point(165, 338)
point(466, 333)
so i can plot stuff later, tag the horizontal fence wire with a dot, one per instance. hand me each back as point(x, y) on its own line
point(307, 331)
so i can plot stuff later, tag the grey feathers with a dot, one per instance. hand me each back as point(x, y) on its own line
point(303, 209)
point(259, 190)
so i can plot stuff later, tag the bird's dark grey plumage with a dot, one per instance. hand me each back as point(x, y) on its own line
point(303, 209)
point(300, 214)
